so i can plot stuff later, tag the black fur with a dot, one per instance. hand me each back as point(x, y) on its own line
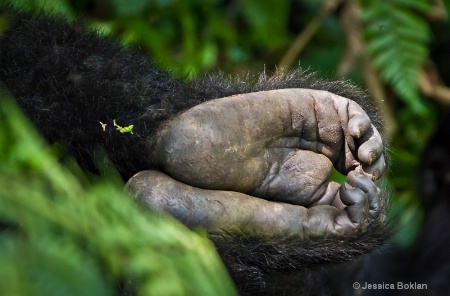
point(68, 80)
point(427, 260)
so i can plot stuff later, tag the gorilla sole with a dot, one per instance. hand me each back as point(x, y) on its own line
point(248, 159)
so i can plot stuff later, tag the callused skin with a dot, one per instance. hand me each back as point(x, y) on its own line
point(259, 164)
point(229, 212)
point(278, 145)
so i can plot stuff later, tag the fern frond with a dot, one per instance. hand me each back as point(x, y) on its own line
point(397, 36)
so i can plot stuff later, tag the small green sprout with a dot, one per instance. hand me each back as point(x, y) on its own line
point(127, 129)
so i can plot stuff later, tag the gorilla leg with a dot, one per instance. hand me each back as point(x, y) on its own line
point(75, 85)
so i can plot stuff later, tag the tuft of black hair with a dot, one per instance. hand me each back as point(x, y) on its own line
point(74, 83)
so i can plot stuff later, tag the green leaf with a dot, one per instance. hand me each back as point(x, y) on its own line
point(397, 37)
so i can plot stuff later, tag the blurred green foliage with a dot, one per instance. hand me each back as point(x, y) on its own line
point(397, 42)
point(63, 236)
point(189, 37)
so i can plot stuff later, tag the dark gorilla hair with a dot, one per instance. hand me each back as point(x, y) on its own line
point(61, 71)
point(427, 260)
point(69, 80)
